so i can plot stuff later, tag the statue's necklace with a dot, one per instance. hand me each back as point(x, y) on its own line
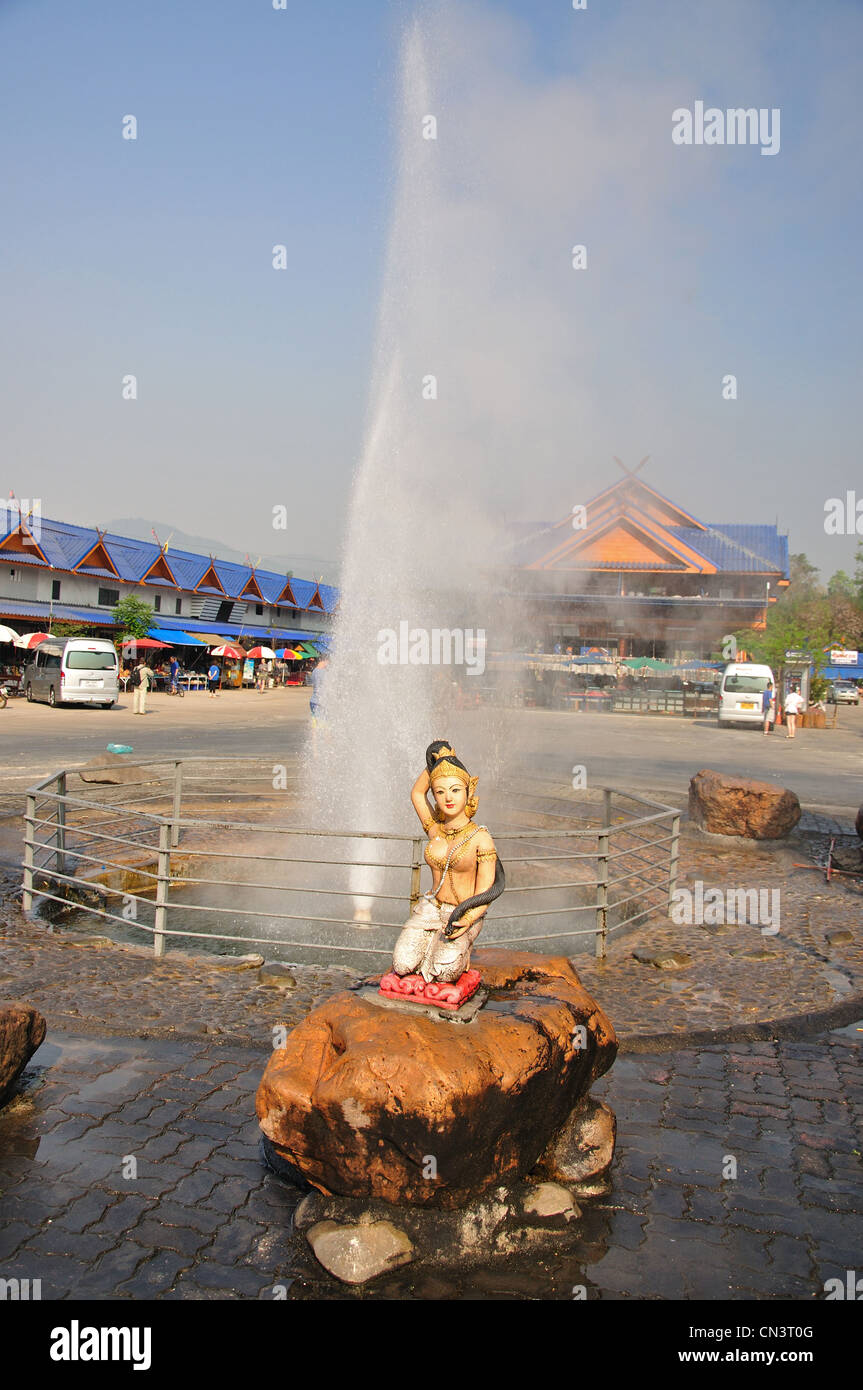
point(451, 834)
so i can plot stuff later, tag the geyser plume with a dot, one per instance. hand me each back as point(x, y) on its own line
point(419, 537)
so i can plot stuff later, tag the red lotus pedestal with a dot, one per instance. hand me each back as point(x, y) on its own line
point(414, 989)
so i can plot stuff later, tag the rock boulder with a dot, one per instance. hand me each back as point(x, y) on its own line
point(369, 1102)
point(727, 805)
point(22, 1030)
point(580, 1155)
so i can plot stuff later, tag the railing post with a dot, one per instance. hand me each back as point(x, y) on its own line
point(606, 807)
point(29, 837)
point(60, 857)
point(178, 797)
point(162, 885)
point(602, 896)
point(673, 859)
point(416, 869)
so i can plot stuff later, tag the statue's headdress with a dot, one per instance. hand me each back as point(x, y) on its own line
point(441, 761)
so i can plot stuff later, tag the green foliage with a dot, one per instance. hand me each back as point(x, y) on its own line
point(803, 576)
point(810, 619)
point(64, 627)
point(132, 617)
point(841, 585)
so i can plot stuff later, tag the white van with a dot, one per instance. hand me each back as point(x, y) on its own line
point(77, 670)
point(743, 683)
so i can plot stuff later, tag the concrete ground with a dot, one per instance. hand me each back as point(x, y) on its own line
point(654, 753)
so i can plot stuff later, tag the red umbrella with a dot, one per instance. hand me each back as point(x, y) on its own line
point(143, 643)
point(228, 650)
point(258, 653)
point(32, 639)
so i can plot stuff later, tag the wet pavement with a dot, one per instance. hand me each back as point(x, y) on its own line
point(130, 1169)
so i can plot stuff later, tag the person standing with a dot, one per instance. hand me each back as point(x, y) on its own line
point(213, 676)
point(175, 673)
point(768, 706)
point(142, 681)
point(793, 707)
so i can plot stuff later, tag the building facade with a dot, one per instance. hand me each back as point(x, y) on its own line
point(635, 574)
point(53, 570)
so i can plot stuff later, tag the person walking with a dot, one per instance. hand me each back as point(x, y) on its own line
point(793, 707)
point(768, 706)
point(213, 676)
point(142, 681)
point(175, 674)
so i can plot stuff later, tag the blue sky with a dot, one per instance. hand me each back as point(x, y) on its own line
point(259, 127)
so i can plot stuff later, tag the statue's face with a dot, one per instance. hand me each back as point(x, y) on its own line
point(450, 795)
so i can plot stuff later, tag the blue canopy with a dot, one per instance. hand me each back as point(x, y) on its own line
point(175, 637)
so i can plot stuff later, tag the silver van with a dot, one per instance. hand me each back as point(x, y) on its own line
point(77, 670)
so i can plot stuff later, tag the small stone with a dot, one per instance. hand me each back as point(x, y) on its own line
point(550, 1199)
point(253, 962)
point(663, 960)
point(840, 936)
point(276, 976)
point(115, 770)
point(98, 941)
point(212, 1028)
point(754, 953)
point(718, 928)
point(592, 1187)
point(355, 1254)
point(583, 1150)
point(307, 1211)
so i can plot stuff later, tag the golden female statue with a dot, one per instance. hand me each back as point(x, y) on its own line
point(436, 940)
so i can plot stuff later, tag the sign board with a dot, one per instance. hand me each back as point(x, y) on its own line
point(840, 657)
point(248, 669)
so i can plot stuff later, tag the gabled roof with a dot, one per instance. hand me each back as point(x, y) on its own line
point(86, 550)
point(630, 526)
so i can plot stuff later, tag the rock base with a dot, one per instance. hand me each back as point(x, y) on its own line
point(368, 1102)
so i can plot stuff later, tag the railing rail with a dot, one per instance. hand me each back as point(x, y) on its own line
point(626, 827)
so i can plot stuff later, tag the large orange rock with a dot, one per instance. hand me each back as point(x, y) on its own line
point(740, 806)
point(369, 1102)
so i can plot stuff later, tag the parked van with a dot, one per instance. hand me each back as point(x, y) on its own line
point(743, 683)
point(77, 670)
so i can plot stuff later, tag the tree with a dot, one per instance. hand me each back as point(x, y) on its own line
point(858, 571)
point(64, 627)
point(132, 617)
point(841, 585)
point(803, 576)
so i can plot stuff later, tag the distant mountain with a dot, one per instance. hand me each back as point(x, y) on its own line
point(303, 566)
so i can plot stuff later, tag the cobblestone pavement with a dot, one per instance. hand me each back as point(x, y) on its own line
point(734, 978)
point(203, 1219)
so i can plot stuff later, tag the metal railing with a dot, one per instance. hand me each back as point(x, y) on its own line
point(622, 860)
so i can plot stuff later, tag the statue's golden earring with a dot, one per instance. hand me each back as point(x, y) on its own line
point(472, 798)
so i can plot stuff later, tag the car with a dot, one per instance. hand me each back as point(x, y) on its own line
point(843, 693)
point(740, 691)
point(75, 670)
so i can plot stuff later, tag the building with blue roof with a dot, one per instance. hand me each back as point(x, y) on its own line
point(55, 570)
point(631, 572)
